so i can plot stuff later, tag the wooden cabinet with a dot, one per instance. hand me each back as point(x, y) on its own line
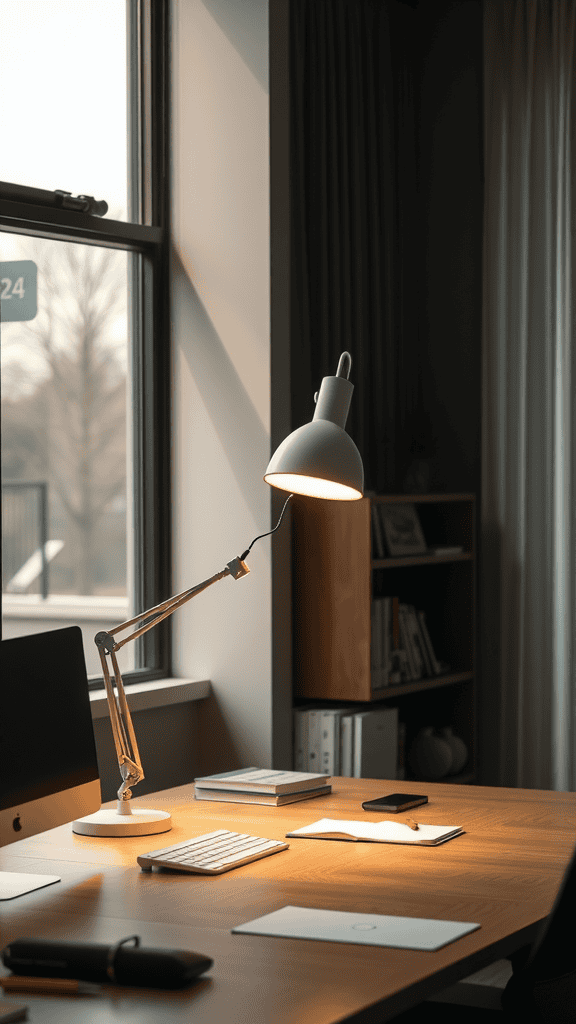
point(336, 578)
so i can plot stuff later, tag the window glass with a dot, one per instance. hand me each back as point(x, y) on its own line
point(63, 83)
point(66, 427)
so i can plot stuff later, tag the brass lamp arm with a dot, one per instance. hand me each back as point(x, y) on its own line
point(236, 568)
point(120, 717)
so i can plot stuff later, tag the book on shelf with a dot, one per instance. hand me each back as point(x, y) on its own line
point(369, 744)
point(301, 730)
point(384, 642)
point(375, 754)
point(347, 746)
point(436, 665)
point(261, 780)
point(330, 739)
point(314, 740)
point(401, 648)
point(415, 640)
point(426, 662)
point(397, 657)
point(378, 543)
point(399, 667)
point(406, 643)
point(377, 643)
point(234, 796)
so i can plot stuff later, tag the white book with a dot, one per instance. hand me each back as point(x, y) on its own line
point(261, 780)
point(376, 744)
point(314, 740)
point(330, 740)
point(347, 746)
point(329, 726)
point(301, 739)
point(236, 796)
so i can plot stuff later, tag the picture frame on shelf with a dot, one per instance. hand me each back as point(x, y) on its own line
point(402, 530)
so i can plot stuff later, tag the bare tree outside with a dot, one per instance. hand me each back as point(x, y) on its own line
point(64, 394)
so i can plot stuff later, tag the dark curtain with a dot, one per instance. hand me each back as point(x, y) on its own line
point(355, 263)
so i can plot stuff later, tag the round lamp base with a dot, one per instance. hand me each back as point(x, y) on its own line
point(140, 822)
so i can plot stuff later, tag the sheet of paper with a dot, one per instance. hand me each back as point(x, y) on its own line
point(364, 929)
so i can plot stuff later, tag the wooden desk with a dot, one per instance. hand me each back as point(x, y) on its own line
point(504, 873)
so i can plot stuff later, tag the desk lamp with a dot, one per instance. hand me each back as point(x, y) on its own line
point(319, 460)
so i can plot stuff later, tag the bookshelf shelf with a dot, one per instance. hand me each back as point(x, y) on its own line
point(395, 563)
point(336, 581)
point(433, 683)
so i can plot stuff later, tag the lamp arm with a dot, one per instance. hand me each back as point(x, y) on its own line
point(120, 717)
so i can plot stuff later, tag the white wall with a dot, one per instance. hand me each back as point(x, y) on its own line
point(221, 365)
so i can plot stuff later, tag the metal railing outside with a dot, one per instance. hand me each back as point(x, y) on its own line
point(24, 529)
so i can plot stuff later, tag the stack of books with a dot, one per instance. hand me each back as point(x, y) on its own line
point(261, 786)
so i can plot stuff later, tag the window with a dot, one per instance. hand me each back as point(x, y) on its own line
point(85, 328)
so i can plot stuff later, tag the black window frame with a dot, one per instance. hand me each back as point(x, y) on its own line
point(147, 236)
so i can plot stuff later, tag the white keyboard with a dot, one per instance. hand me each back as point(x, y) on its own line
point(212, 853)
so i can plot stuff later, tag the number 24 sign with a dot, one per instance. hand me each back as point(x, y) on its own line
point(18, 290)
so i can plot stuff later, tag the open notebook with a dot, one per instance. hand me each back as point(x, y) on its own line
point(377, 832)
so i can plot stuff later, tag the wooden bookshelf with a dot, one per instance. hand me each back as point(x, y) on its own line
point(337, 577)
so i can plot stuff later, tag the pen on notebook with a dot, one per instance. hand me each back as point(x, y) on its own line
point(412, 824)
point(58, 986)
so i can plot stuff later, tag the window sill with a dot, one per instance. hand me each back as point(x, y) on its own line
point(65, 607)
point(155, 694)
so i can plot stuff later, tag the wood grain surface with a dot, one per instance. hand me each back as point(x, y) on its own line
point(503, 872)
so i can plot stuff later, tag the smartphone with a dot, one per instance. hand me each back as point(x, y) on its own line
point(395, 802)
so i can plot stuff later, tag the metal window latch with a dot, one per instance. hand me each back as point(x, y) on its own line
point(87, 204)
point(59, 198)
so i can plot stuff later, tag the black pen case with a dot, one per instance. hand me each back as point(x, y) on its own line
point(117, 963)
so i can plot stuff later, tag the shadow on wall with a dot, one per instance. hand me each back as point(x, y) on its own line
point(232, 413)
point(168, 744)
point(217, 751)
point(245, 25)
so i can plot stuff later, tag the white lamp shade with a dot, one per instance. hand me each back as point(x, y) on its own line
point(318, 459)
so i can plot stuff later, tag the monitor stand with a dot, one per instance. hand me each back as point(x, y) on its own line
point(17, 883)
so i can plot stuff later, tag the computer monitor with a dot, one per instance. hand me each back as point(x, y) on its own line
point(48, 767)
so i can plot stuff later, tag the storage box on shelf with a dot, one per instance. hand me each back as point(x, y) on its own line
point(337, 578)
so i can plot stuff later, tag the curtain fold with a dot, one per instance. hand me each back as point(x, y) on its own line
point(529, 376)
point(353, 197)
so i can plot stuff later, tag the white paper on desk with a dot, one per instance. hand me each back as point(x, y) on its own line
point(376, 831)
point(363, 929)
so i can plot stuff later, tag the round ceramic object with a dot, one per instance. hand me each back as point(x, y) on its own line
point(458, 748)
point(430, 756)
